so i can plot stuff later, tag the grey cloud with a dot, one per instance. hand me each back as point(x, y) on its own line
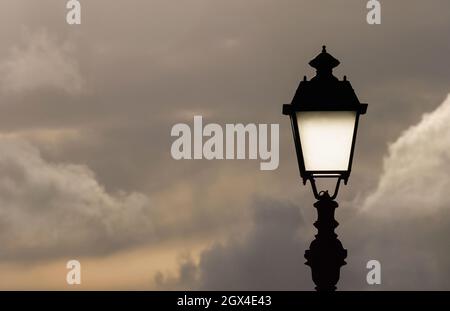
point(41, 63)
point(415, 177)
point(51, 209)
point(55, 209)
point(406, 219)
point(269, 257)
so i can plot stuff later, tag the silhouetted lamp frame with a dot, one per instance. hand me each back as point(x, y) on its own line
point(323, 93)
point(329, 145)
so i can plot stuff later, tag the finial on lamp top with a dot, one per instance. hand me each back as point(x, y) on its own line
point(324, 62)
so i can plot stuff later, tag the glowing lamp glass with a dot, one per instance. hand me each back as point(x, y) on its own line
point(326, 139)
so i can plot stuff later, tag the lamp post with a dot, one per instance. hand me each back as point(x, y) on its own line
point(324, 117)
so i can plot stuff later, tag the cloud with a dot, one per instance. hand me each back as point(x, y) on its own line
point(269, 257)
point(55, 209)
point(41, 63)
point(415, 178)
point(405, 222)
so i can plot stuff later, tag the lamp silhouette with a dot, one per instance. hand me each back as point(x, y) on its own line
point(324, 116)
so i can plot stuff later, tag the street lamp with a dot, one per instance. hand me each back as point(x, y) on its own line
point(324, 117)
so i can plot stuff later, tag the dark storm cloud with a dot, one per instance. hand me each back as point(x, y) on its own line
point(269, 257)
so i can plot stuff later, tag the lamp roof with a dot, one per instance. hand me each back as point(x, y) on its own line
point(325, 91)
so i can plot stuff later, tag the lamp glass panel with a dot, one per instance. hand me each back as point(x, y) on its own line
point(326, 139)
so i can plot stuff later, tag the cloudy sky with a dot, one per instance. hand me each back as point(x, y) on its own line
point(85, 167)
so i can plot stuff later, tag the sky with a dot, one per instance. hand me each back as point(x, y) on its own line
point(86, 173)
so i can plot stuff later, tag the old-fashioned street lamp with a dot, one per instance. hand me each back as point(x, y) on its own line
point(324, 117)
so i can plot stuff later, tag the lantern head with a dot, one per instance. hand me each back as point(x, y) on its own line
point(324, 117)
